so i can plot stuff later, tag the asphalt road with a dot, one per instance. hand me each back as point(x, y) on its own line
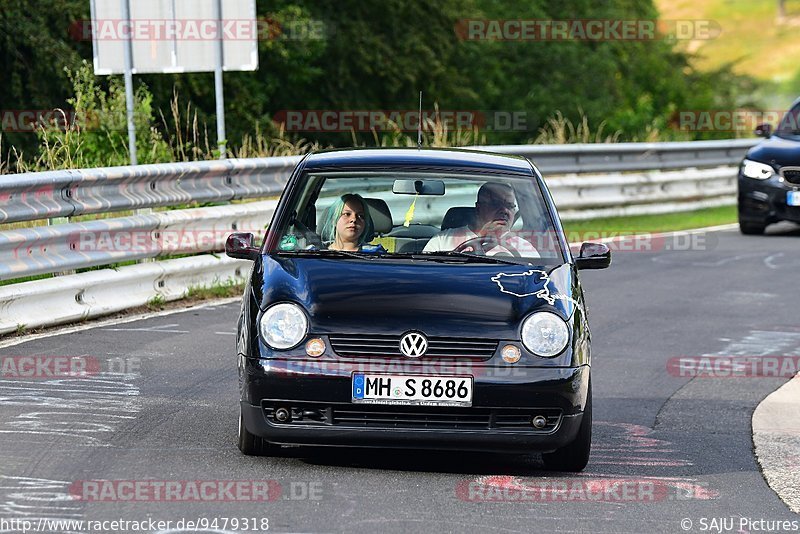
point(160, 406)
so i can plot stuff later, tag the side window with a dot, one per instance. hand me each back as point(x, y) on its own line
point(790, 124)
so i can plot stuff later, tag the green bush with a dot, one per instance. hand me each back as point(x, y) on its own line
point(97, 136)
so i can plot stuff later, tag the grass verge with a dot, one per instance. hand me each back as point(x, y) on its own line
point(222, 290)
point(640, 224)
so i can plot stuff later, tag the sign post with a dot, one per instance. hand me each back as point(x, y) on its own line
point(218, 87)
point(129, 100)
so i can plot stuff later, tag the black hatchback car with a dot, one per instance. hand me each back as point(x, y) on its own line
point(769, 176)
point(416, 299)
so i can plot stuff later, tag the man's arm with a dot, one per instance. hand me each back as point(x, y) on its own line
point(435, 244)
point(448, 240)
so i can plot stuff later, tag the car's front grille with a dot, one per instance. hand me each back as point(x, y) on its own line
point(388, 346)
point(413, 417)
point(791, 175)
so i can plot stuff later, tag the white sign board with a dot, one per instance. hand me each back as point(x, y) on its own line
point(170, 36)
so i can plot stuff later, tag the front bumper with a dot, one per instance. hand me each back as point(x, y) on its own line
point(322, 412)
point(764, 202)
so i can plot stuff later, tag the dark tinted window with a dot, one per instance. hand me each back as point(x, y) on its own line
point(790, 124)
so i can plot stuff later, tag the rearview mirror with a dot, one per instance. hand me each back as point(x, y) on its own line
point(763, 130)
point(593, 256)
point(240, 246)
point(418, 187)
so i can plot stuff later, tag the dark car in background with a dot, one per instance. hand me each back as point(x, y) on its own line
point(769, 176)
point(427, 335)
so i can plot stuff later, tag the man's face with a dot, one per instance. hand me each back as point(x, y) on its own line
point(496, 205)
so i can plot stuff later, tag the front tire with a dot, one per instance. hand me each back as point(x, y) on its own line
point(574, 456)
point(749, 228)
point(252, 445)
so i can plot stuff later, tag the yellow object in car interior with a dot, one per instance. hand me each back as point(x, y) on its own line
point(389, 243)
point(410, 212)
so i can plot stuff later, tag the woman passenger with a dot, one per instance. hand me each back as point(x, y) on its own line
point(346, 224)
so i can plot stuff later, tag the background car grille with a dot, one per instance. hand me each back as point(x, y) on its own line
point(791, 175)
point(415, 417)
point(381, 346)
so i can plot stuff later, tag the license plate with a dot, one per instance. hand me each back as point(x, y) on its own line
point(412, 389)
point(793, 198)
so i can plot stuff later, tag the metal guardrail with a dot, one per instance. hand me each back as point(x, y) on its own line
point(69, 193)
point(608, 195)
point(617, 157)
point(52, 249)
point(619, 190)
point(28, 197)
point(96, 293)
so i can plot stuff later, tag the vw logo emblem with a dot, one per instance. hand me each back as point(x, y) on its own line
point(413, 345)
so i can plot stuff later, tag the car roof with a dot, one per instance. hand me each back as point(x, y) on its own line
point(449, 158)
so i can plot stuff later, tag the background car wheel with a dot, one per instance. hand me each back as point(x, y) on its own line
point(253, 445)
point(574, 456)
point(749, 228)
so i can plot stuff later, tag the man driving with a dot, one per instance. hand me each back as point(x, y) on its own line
point(495, 211)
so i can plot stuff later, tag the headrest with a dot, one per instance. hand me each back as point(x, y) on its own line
point(381, 216)
point(458, 217)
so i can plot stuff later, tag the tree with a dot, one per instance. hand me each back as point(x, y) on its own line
point(378, 55)
point(35, 46)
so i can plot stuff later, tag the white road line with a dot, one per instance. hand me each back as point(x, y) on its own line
point(166, 328)
point(669, 259)
point(769, 262)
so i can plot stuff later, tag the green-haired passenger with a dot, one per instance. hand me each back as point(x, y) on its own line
point(346, 224)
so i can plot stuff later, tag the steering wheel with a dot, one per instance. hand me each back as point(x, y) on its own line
point(485, 243)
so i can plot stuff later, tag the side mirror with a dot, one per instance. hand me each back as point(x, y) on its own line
point(593, 256)
point(763, 130)
point(240, 246)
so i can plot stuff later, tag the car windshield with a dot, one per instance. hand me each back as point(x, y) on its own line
point(789, 126)
point(420, 215)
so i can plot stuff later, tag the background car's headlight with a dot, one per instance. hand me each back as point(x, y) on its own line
point(754, 169)
point(283, 326)
point(545, 334)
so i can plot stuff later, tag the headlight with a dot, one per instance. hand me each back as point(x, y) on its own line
point(545, 334)
point(283, 326)
point(756, 170)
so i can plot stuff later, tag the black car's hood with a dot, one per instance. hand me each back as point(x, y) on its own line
point(776, 151)
point(387, 296)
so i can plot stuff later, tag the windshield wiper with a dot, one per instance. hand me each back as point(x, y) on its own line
point(318, 253)
point(444, 255)
point(469, 258)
